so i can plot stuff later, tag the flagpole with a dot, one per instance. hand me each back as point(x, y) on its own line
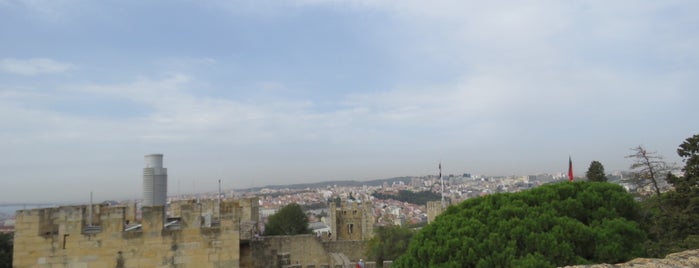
point(219, 200)
point(441, 179)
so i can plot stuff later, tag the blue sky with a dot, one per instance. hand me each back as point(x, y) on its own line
point(275, 92)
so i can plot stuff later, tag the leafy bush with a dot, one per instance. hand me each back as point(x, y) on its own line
point(388, 243)
point(552, 225)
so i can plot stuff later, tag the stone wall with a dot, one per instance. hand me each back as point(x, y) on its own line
point(304, 250)
point(67, 237)
point(689, 258)
point(354, 250)
point(435, 208)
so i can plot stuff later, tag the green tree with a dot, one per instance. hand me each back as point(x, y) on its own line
point(388, 243)
point(689, 151)
point(6, 243)
point(289, 220)
point(419, 198)
point(551, 225)
point(596, 172)
point(672, 218)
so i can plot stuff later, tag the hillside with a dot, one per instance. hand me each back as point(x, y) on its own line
point(324, 184)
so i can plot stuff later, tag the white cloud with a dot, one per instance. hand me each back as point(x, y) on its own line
point(173, 113)
point(47, 9)
point(522, 83)
point(34, 66)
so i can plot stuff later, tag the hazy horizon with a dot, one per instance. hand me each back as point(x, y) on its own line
point(281, 92)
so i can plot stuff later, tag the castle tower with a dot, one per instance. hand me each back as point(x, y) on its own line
point(154, 181)
point(351, 221)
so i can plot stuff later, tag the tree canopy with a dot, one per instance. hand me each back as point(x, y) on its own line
point(596, 172)
point(689, 151)
point(672, 218)
point(6, 250)
point(388, 243)
point(551, 225)
point(289, 220)
point(419, 198)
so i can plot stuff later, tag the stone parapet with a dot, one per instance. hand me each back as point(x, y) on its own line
point(689, 258)
point(104, 236)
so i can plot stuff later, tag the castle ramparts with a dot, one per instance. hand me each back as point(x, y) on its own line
point(109, 236)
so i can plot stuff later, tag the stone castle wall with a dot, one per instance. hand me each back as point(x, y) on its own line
point(67, 237)
point(435, 208)
point(688, 258)
point(303, 250)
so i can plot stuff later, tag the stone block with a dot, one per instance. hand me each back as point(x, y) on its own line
point(77, 265)
point(88, 258)
point(181, 259)
point(213, 257)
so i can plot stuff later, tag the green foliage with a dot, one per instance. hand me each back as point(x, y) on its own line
point(672, 218)
point(671, 221)
point(689, 151)
point(419, 198)
point(6, 243)
point(596, 172)
point(290, 220)
point(552, 225)
point(312, 206)
point(388, 243)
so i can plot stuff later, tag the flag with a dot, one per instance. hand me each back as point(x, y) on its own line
point(570, 169)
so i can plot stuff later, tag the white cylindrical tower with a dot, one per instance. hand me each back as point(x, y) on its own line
point(154, 181)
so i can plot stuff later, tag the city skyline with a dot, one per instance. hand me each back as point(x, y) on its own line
point(258, 93)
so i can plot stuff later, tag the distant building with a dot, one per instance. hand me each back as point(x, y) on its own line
point(154, 181)
point(319, 228)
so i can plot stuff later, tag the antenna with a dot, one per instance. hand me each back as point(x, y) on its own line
point(219, 199)
point(90, 211)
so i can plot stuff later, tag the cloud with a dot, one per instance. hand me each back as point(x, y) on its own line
point(492, 87)
point(173, 112)
point(47, 9)
point(34, 66)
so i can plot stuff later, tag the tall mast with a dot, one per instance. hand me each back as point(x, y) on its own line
point(90, 216)
point(219, 199)
point(441, 179)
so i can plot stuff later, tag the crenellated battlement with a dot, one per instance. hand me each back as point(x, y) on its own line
point(207, 232)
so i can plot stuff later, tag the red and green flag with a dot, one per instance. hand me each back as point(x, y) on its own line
point(570, 169)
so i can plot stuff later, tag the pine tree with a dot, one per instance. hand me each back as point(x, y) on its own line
point(596, 172)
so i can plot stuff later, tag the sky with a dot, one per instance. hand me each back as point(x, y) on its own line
point(276, 92)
